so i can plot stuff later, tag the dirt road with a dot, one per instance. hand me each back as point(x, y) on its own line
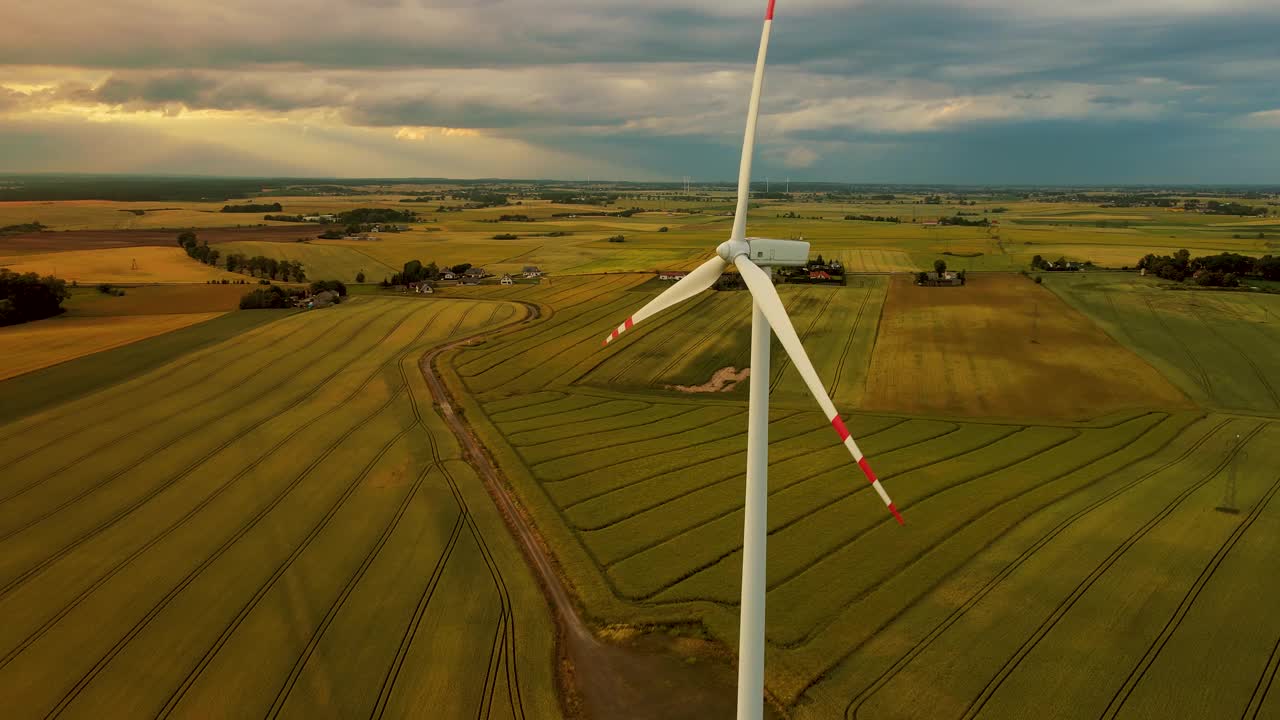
point(643, 679)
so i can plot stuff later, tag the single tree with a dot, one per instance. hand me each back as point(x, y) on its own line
point(360, 276)
point(940, 266)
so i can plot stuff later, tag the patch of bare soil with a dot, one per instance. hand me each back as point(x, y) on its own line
point(723, 380)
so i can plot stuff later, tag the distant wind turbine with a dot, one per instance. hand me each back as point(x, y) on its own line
point(754, 258)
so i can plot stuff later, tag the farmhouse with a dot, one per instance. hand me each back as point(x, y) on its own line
point(946, 279)
point(506, 280)
point(475, 273)
point(448, 276)
point(671, 275)
point(819, 275)
point(532, 271)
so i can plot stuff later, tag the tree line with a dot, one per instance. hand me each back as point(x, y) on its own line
point(1222, 270)
point(963, 221)
point(252, 208)
point(266, 267)
point(198, 250)
point(27, 296)
point(874, 218)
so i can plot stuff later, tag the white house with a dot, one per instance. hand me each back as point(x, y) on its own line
point(506, 280)
point(671, 275)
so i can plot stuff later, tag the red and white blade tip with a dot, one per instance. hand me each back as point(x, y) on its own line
point(768, 14)
point(861, 459)
point(619, 330)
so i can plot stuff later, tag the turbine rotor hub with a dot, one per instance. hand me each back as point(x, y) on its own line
point(729, 250)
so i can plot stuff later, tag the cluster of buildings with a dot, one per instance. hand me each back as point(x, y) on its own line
point(470, 276)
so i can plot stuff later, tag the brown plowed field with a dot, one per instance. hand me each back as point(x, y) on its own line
point(1002, 346)
point(55, 241)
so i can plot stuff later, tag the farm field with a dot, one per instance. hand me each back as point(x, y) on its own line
point(321, 260)
point(262, 514)
point(155, 300)
point(1002, 346)
point(59, 240)
point(24, 394)
point(1223, 349)
point(39, 344)
point(1106, 236)
point(116, 265)
point(277, 523)
point(1023, 535)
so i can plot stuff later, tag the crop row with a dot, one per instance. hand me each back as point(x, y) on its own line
point(343, 516)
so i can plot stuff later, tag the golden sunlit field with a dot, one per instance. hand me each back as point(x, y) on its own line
point(119, 265)
point(34, 345)
point(1002, 346)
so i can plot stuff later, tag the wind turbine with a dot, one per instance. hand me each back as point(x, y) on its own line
point(755, 258)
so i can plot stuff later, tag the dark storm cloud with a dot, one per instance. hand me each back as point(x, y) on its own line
point(662, 84)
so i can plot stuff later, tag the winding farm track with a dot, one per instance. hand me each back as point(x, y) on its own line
point(610, 681)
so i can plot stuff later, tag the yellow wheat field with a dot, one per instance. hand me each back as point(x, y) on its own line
point(117, 265)
point(35, 345)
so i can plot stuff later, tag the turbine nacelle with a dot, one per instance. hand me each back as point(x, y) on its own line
point(766, 251)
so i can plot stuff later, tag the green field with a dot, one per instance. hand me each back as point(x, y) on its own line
point(276, 523)
point(1223, 349)
point(1022, 537)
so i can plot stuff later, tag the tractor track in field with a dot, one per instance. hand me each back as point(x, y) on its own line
point(466, 369)
point(692, 352)
point(671, 321)
point(1201, 377)
point(160, 373)
point(643, 405)
point(193, 675)
point(505, 630)
point(406, 389)
point(154, 401)
point(625, 443)
point(786, 360)
point(861, 698)
point(800, 517)
point(147, 456)
point(1263, 688)
point(773, 490)
point(1084, 585)
point(704, 565)
point(156, 609)
point(663, 473)
point(402, 650)
point(102, 579)
point(665, 419)
point(538, 404)
point(1175, 621)
point(848, 344)
point(570, 326)
point(138, 502)
point(1257, 371)
point(606, 681)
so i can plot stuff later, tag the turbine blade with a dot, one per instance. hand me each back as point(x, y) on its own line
point(686, 287)
point(764, 294)
point(749, 137)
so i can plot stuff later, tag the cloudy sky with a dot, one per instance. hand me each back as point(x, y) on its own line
point(958, 91)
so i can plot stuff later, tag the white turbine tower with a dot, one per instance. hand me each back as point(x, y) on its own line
point(767, 315)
